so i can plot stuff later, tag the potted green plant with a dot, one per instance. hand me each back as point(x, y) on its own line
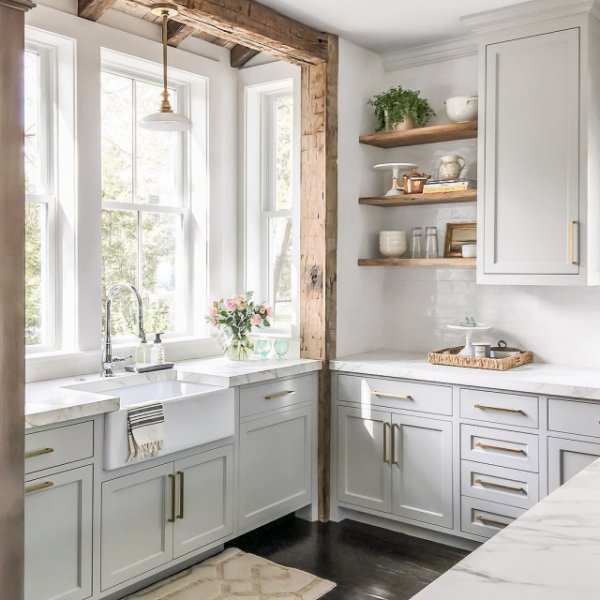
point(400, 109)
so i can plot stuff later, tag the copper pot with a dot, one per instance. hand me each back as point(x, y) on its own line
point(413, 183)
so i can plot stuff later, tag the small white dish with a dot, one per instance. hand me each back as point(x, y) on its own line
point(469, 250)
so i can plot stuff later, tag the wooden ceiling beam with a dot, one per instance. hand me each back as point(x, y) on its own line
point(177, 32)
point(93, 9)
point(252, 25)
point(240, 55)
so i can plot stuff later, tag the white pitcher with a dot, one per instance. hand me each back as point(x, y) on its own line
point(451, 166)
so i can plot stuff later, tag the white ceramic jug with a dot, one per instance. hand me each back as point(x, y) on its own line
point(451, 166)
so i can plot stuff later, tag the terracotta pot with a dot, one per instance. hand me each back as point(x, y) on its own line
point(407, 123)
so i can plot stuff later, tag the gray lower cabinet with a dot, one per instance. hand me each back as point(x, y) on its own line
point(58, 536)
point(275, 470)
point(153, 516)
point(396, 463)
point(567, 457)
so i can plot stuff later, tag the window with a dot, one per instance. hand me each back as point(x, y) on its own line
point(40, 198)
point(145, 207)
point(271, 206)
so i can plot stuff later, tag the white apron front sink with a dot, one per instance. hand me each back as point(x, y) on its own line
point(195, 413)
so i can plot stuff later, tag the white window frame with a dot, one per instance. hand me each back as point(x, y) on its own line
point(184, 326)
point(56, 125)
point(260, 193)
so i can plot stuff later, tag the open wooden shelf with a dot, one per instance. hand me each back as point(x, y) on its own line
point(418, 199)
point(422, 135)
point(463, 263)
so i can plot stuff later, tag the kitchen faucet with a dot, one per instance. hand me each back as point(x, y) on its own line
point(107, 358)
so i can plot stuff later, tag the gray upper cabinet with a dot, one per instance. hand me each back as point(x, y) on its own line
point(538, 206)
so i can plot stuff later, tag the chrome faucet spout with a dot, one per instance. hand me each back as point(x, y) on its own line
point(107, 358)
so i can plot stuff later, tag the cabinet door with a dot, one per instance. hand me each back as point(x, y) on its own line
point(566, 458)
point(136, 533)
point(58, 536)
point(422, 469)
point(204, 500)
point(364, 476)
point(275, 466)
point(531, 173)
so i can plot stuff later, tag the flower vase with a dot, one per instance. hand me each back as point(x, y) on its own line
point(238, 348)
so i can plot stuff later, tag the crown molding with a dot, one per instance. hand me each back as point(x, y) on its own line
point(429, 53)
point(23, 5)
point(528, 13)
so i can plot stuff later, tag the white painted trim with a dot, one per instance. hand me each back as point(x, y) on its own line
point(529, 13)
point(429, 53)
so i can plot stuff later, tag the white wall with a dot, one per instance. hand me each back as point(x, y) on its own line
point(408, 309)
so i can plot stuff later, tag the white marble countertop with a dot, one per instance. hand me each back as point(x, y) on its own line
point(552, 552)
point(49, 402)
point(546, 379)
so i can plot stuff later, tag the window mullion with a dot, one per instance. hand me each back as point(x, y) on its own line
point(139, 251)
point(134, 142)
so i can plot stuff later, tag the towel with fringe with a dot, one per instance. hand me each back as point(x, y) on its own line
point(145, 431)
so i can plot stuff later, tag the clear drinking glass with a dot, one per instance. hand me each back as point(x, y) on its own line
point(263, 347)
point(431, 242)
point(281, 347)
point(416, 242)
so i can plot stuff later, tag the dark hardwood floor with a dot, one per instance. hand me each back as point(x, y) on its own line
point(366, 562)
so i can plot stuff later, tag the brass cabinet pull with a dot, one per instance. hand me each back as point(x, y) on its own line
point(499, 409)
point(172, 517)
point(279, 395)
point(40, 452)
point(38, 487)
point(394, 449)
point(501, 448)
point(180, 474)
point(500, 486)
point(491, 522)
point(386, 460)
point(572, 259)
point(388, 395)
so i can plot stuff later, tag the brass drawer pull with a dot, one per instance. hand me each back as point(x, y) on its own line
point(386, 459)
point(499, 409)
point(181, 476)
point(172, 517)
point(501, 448)
point(277, 395)
point(40, 452)
point(388, 395)
point(38, 487)
point(500, 486)
point(394, 449)
point(491, 522)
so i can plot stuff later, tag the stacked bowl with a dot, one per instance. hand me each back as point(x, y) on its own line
point(392, 244)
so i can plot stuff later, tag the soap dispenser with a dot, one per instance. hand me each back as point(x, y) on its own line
point(157, 354)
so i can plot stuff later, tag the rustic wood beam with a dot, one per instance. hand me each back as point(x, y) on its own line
point(177, 32)
point(12, 297)
point(318, 240)
point(253, 25)
point(93, 9)
point(240, 55)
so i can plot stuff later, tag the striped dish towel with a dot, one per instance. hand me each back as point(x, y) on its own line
point(145, 431)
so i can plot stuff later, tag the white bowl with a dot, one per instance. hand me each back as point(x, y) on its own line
point(469, 250)
point(461, 109)
point(392, 234)
point(393, 251)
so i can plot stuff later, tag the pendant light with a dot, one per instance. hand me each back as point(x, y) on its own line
point(165, 119)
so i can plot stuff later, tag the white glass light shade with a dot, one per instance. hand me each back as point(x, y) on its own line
point(166, 121)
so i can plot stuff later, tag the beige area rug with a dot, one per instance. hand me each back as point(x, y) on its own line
point(235, 575)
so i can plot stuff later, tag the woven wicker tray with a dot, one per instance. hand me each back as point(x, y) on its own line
point(449, 357)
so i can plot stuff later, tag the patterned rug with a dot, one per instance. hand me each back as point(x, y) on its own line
point(235, 575)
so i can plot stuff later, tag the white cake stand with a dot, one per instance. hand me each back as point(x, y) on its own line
point(396, 169)
point(469, 329)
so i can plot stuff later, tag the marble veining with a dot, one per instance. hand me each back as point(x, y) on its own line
point(552, 552)
point(59, 400)
point(545, 379)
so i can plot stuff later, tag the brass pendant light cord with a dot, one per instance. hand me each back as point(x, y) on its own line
point(165, 105)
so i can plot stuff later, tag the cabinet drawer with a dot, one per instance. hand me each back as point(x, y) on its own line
point(498, 484)
point(573, 416)
point(277, 394)
point(397, 394)
point(497, 407)
point(54, 447)
point(486, 518)
point(511, 449)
